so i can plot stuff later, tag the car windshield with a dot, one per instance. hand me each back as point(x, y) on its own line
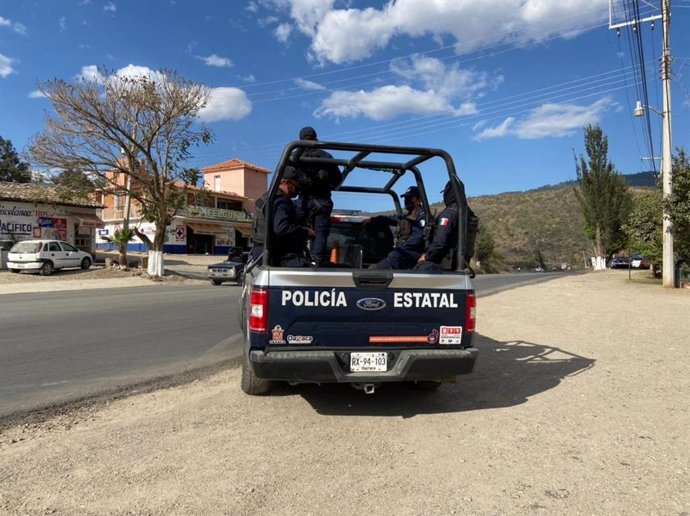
point(26, 247)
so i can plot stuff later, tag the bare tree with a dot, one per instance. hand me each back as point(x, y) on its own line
point(143, 127)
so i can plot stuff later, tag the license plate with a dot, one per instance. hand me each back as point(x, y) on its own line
point(365, 362)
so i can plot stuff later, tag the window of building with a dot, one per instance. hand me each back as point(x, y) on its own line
point(120, 201)
point(216, 184)
point(226, 204)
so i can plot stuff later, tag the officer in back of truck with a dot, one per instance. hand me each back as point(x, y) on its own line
point(442, 251)
point(289, 237)
point(315, 205)
point(409, 233)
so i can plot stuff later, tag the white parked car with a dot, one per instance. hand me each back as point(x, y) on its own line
point(45, 256)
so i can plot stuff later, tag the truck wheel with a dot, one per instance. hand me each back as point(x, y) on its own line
point(427, 385)
point(250, 383)
point(16, 271)
point(216, 282)
point(46, 269)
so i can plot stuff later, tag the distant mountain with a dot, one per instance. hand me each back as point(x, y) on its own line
point(642, 179)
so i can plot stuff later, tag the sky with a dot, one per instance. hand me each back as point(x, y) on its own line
point(505, 86)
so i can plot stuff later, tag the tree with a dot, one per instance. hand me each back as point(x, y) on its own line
point(140, 126)
point(12, 169)
point(121, 237)
point(644, 228)
point(77, 184)
point(603, 195)
point(487, 257)
point(679, 204)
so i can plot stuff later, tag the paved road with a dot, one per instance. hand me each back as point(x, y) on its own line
point(60, 346)
point(57, 346)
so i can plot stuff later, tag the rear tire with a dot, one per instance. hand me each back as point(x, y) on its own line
point(46, 269)
point(216, 282)
point(85, 264)
point(250, 383)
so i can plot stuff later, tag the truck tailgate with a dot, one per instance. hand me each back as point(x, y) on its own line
point(336, 309)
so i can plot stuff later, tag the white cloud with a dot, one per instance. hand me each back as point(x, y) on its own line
point(6, 65)
point(282, 32)
point(248, 78)
point(17, 27)
point(349, 34)
point(134, 71)
point(110, 6)
point(550, 121)
point(309, 85)
point(557, 120)
point(62, 23)
point(382, 103)
point(90, 73)
point(37, 94)
point(496, 132)
point(214, 60)
point(226, 104)
point(426, 86)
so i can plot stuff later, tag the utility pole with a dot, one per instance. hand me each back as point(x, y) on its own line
point(668, 266)
point(666, 163)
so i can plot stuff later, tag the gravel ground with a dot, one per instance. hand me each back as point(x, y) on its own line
point(580, 404)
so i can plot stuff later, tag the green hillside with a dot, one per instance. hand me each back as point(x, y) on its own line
point(547, 220)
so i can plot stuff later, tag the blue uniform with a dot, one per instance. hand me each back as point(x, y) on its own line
point(409, 241)
point(445, 240)
point(288, 237)
point(314, 204)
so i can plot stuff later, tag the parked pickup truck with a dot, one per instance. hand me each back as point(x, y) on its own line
point(347, 323)
point(232, 269)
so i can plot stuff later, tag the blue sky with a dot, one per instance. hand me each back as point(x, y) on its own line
point(504, 85)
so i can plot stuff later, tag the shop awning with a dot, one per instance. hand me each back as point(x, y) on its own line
point(202, 228)
point(90, 221)
point(246, 230)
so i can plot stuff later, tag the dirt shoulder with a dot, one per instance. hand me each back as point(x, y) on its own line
point(580, 404)
point(98, 276)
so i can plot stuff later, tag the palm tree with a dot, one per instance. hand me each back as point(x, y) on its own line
point(121, 237)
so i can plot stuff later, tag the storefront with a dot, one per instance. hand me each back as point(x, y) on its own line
point(190, 234)
point(23, 217)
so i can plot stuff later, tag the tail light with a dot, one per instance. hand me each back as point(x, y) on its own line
point(470, 311)
point(258, 310)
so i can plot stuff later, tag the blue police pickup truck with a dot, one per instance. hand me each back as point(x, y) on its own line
point(344, 321)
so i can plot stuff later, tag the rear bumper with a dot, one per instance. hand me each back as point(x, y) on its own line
point(333, 366)
point(25, 266)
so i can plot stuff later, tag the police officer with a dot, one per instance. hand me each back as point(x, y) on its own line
point(445, 242)
point(315, 204)
point(289, 238)
point(409, 233)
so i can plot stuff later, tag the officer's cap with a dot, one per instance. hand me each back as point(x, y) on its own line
point(412, 191)
point(307, 133)
point(290, 173)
